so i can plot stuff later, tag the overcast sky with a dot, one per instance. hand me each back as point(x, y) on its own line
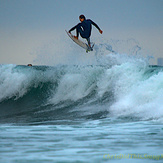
point(27, 26)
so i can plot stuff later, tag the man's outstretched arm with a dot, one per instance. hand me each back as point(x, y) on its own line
point(97, 26)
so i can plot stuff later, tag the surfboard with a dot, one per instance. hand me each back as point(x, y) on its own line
point(80, 43)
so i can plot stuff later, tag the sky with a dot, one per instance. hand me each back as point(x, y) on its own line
point(29, 28)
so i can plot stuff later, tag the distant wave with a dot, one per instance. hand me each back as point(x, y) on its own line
point(127, 89)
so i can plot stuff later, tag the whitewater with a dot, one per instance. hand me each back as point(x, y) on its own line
point(111, 110)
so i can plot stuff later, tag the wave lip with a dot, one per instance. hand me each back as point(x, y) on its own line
point(42, 93)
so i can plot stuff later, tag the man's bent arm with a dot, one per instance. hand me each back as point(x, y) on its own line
point(72, 28)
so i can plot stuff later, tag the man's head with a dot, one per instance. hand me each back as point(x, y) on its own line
point(81, 18)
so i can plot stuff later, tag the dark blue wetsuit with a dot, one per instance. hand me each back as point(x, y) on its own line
point(84, 28)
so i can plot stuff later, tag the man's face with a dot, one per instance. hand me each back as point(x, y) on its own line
point(81, 19)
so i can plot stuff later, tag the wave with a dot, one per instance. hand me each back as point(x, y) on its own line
point(123, 87)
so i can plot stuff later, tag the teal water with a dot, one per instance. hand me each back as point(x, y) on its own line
point(93, 113)
point(91, 141)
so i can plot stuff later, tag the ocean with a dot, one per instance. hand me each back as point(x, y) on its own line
point(82, 113)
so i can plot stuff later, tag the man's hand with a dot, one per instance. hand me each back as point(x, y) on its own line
point(100, 31)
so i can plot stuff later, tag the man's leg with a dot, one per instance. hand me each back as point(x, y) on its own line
point(89, 43)
point(79, 30)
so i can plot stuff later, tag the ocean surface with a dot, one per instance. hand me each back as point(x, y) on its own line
point(82, 113)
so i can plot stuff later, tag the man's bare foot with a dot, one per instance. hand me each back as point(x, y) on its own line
point(76, 37)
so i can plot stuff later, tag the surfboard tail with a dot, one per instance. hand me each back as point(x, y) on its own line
point(80, 43)
point(90, 48)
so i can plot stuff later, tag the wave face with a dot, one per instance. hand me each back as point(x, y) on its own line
point(131, 89)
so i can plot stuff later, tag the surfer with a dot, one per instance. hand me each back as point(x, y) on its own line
point(84, 28)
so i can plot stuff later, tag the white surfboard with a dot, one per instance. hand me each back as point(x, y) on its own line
point(80, 43)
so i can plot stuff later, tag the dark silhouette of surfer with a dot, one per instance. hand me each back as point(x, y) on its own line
point(85, 28)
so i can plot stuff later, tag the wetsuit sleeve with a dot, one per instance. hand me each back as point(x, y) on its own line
point(73, 28)
point(95, 25)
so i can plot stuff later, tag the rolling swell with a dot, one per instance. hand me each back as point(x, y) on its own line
point(30, 94)
point(41, 93)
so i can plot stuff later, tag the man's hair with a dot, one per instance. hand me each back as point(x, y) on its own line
point(82, 17)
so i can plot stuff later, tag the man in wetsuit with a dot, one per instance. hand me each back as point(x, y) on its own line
point(84, 28)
